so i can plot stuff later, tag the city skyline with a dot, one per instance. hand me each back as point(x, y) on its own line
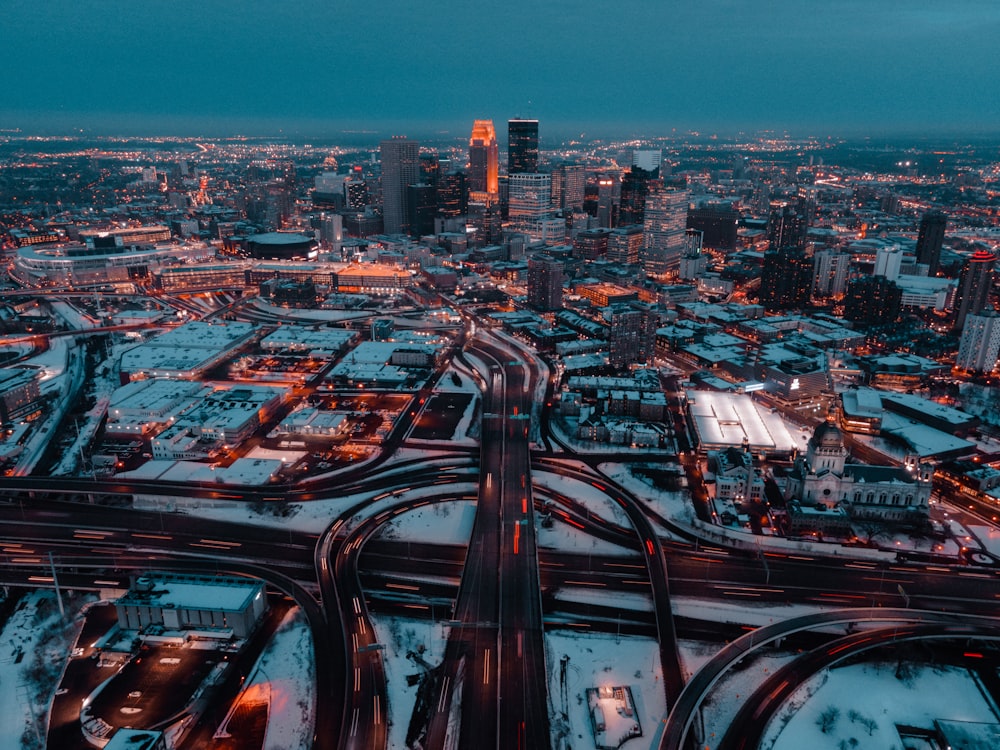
point(843, 67)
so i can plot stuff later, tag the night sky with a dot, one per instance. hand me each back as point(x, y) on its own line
point(218, 67)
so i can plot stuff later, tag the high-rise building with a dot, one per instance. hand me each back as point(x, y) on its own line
point(545, 282)
point(974, 285)
point(648, 160)
point(421, 205)
point(356, 192)
point(569, 182)
point(591, 244)
point(451, 194)
point(400, 169)
point(785, 225)
point(529, 202)
point(625, 244)
point(979, 346)
point(608, 198)
point(830, 269)
point(522, 146)
point(484, 159)
point(930, 239)
point(630, 336)
point(872, 300)
point(718, 223)
point(664, 230)
point(785, 279)
point(634, 188)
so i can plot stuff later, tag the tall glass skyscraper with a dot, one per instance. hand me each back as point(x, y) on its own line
point(664, 227)
point(930, 239)
point(400, 169)
point(974, 285)
point(522, 146)
point(484, 159)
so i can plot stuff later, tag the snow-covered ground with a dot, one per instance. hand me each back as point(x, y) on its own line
point(33, 649)
point(440, 523)
point(595, 501)
point(597, 660)
point(400, 637)
point(864, 693)
point(719, 709)
point(315, 516)
point(284, 676)
point(675, 506)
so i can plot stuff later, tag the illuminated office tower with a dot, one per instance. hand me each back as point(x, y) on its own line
point(785, 225)
point(980, 343)
point(830, 269)
point(484, 160)
point(545, 282)
point(625, 244)
point(522, 146)
point(974, 286)
point(648, 160)
point(529, 202)
point(569, 182)
point(664, 228)
point(930, 239)
point(400, 169)
point(786, 279)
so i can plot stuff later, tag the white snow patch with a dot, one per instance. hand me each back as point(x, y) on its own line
point(440, 523)
point(597, 660)
point(400, 636)
point(33, 633)
point(873, 691)
point(285, 673)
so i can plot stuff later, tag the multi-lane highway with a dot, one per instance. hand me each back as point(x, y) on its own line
point(495, 594)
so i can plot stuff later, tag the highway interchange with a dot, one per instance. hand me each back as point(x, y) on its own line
point(495, 594)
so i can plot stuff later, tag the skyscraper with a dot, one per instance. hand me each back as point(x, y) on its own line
point(522, 146)
point(980, 344)
point(830, 268)
point(545, 280)
point(484, 159)
point(785, 225)
point(568, 184)
point(631, 334)
point(529, 202)
point(785, 279)
point(400, 169)
point(873, 300)
point(930, 239)
point(664, 230)
point(974, 286)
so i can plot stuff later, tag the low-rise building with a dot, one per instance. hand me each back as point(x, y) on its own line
point(213, 605)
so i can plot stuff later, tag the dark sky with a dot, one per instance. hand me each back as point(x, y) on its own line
point(218, 67)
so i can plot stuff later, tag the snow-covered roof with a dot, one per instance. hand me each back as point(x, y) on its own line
point(924, 440)
point(190, 592)
point(725, 419)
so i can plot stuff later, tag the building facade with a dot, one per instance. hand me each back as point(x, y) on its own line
point(664, 230)
point(522, 146)
point(980, 343)
point(400, 168)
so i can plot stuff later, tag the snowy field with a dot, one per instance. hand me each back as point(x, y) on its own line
point(316, 516)
point(401, 636)
point(33, 649)
point(285, 674)
point(440, 523)
point(597, 660)
point(871, 701)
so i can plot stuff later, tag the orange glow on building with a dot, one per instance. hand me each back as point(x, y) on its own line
point(484, 158)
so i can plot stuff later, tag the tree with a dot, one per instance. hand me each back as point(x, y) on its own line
point(828, 719)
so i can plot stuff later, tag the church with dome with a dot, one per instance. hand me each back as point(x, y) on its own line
point(823, 476)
